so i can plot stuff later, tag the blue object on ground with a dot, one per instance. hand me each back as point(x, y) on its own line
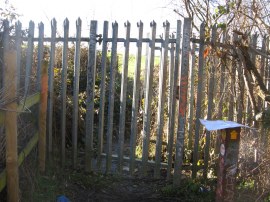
point(62, 198)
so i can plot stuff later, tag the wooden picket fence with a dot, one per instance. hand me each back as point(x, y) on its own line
point(184, 62)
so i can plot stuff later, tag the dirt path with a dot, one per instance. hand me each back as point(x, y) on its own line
point(124, 189)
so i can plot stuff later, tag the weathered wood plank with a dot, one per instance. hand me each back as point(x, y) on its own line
point(90, 94)
point(102, 93)
point(76, 78)
point(10, 68)
point(122, 117)
point(113, 69)
point(161, 99)
point(199, 100)
point(172, 111)
point(136, 97)
point(24, 153)
point(183, 83)
point(29, 102)
point(43, 117)
point(64, 91)
point(148, 99)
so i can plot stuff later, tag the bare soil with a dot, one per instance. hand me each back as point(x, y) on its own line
point(122, 189)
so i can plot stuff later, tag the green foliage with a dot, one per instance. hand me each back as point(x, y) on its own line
point(82, 93)
point(189, 190)
point(221, 25)
point(221, 10)
point(246, 184)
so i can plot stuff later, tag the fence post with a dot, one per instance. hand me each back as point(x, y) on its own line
point(172, 110)
point(148, 99)
point(40, 54)
point(227, 164)
point(162, 96)
point(102, 93)
point(64, 92)
point(182, 101)
point(76, 77)
point(18, 28)
point(10, 87)
point(135, 100)
point(43, 116)
point(199, 101)
point(51, 88)
point(211, 89)
point(122, 117)
point(191, 97)
point(113, 69)
point(90, 93)
point(29, 58)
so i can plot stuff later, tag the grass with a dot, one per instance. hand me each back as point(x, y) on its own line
point(190, 190)
point(50, 186)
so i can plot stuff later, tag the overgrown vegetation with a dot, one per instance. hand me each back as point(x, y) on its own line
point(191, 190)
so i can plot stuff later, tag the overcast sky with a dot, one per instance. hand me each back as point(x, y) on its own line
point(110, 10)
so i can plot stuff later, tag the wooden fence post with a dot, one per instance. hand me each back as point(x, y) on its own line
point(10, 87)
point(43, 116)
point(227, 164)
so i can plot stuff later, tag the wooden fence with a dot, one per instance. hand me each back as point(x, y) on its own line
point(211, 87)
point(17, 100)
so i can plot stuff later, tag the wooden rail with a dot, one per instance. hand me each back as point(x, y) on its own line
point(23, 104)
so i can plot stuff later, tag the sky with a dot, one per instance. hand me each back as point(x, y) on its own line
point(110, 10)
